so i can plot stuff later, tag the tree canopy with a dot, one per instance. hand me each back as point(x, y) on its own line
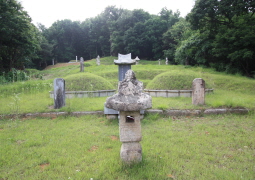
point(218, 34)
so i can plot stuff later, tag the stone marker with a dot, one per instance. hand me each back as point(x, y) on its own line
point(136, 60)
point(98, 60)
point(129, 101)
point(166, 61)
point(198, 91)
point(124, 62)
point(159, 61)
point(81, 64)
point(59, 93)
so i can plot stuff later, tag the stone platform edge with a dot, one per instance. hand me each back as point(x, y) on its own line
point(169, 112)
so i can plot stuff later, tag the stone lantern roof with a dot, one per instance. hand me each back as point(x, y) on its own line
point(130, 96)
point(124, 59)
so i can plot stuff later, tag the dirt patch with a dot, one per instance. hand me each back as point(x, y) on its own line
point(93, 148)
point(43, 166)
point(114, 138)
point(61, 65)
point(20, 141)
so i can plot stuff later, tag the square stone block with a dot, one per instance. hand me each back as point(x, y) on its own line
point(130, 126)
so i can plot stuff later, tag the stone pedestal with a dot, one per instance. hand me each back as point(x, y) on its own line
point(198, 91)
point(130, 136)
point(131, 152)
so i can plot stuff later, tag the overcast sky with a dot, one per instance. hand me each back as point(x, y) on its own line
point(47, 12)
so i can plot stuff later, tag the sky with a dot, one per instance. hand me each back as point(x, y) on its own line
point(47, 12)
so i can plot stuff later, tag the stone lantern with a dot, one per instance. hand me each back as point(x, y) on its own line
point(129, 101)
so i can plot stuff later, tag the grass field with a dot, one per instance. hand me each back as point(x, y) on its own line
point(211, 147)
point(230, 91)
point(181, 148)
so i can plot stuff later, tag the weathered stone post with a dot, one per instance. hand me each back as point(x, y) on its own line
point(166, 61)
point(59, 93)
point(81, 64)
point(198, 91)
point(129, 101)
point(98, 60)
point(159, 61)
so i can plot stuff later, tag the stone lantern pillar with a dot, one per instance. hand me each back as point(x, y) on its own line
point(129, 101)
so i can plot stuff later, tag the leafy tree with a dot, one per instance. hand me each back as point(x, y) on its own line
point(229, 27)
point(174, 35)
point(18, 36)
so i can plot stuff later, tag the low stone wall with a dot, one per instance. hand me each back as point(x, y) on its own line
point(169, 112)
point(173, 93)
point(82, 94)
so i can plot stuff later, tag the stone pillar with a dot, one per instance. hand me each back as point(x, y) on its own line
point(81, 64)
point(198, 91)
point(166, 61)
point(98, 60)
point(59, 93)
point(130, 136)
point(159, 62)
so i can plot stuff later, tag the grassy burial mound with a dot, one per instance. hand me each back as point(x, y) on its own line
point(86, 82)
point(175, 80)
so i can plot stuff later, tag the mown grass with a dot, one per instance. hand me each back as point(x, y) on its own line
point(211, 147)
point(229, 90)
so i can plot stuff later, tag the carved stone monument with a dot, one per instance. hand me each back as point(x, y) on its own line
point(198, 91)
point(129, 101)
point(124, 62)
point(59, 93)
point(98, 60)
point(81, 64)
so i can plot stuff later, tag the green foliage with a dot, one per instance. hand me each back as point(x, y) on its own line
point(86, 82)
point(19, 37)
point(227, 35)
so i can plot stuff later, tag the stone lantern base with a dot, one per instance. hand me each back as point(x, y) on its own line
point(131, 152)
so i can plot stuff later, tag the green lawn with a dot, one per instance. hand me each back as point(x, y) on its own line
point(211, 147)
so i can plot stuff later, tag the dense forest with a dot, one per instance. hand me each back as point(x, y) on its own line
point(217, 34)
